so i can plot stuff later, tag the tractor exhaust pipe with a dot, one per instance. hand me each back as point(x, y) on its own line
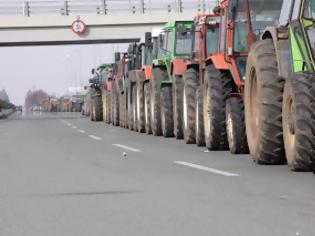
point(251, 37)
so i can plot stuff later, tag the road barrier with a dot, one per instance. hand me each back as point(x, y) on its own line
point(103, 7)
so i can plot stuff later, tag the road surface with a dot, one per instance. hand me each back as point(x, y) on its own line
point(61, 174)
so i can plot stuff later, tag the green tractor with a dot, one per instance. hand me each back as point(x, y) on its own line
point(166, 83)
point(279, 89)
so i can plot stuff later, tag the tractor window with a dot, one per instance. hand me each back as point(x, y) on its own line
point(197, 42)
point(309, 9)
point(263, 13)
point(212, 40)
point(184, 42)
point(169, 46)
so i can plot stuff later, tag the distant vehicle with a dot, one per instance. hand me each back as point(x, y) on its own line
point(19, 108)
point(36, 108)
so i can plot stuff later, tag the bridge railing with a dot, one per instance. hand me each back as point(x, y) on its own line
point(105, 7)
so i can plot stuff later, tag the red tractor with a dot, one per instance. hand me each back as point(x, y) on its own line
point(214, 82)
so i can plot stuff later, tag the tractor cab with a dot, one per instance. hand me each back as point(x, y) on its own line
point(245, 21)
point(173, 42)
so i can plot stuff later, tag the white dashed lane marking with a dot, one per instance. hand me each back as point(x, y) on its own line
point(126, 147)
point(207, 169)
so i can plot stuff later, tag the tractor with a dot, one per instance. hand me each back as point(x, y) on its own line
point(97, 92)
point(165, 86)
point(279, 88)
point(223, 73)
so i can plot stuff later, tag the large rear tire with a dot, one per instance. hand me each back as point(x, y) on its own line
point(158, 75)
point(189, 94)
point(263, 104)
point(199, 126)
point(92, 110)
point(214, 97)
point(235, 126)
point(108, 108)
point(140, 106)
point(115, 108)
point(147, 109)
point(98, 107)
point(121, 110)
point(178, 107)
point(299, 121)
point(167, 112)
point(134, 108)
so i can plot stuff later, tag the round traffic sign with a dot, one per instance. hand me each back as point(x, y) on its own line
point(78, 27)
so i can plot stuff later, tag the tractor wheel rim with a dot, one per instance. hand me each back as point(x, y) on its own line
point(138, 102)
point(185, 108)
point(207, 113)
point(230, 130)
point(197, 117)
point(290, 126)
point(146, 110)
point(254, 109)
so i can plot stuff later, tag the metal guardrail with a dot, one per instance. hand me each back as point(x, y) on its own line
point(102, 7)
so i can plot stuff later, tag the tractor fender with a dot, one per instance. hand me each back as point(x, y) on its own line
point(178, 66)
point(108, 86)
point(281, 42)
point(148, 72)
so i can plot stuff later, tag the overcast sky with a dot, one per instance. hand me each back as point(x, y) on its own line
point(51, 68)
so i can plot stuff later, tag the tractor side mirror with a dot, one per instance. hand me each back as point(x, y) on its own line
point(117, 56)
point(148, 39)
point(93, 71)
point(216, 10)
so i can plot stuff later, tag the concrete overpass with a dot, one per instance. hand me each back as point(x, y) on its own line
point(50, 23)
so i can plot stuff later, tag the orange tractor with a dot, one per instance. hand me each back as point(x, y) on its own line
point(214, 82)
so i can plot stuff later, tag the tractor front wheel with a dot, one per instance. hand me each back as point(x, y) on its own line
point(158, 75)
point(214, 97)
point(263, 104)
point(177, 98)
point(189, 94)
point(147, 113)
point(235, 126)
point(167, 112)
point(299, 121)
point(199, 126)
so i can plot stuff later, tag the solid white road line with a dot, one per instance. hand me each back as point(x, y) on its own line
point(126, 147)
point(204, 168)
point(81, 131)
point(95, 137)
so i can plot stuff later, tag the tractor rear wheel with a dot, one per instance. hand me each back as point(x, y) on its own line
point(299, 121)
point(214, 98)
point(235, 126)
point(189, 94)
point(121, 110)
point(92, 110)
point(140, 106)
point(199, 126)
point(108, 108)
point(263, 104)
point(134, 108)
point(178, 107)
point(167, 112)
point(158, 75)
point(130, 107)
point(98, 108)
point(115, 108)
point(147, 110)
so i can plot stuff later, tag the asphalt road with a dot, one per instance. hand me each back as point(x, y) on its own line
point(61, 174)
